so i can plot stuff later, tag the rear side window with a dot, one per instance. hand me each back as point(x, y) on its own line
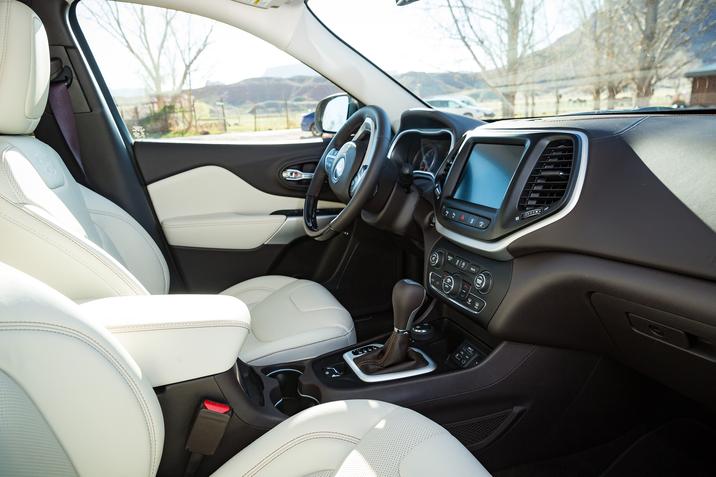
point(175, 75)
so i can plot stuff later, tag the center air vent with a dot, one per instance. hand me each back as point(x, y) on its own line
point(549, 179)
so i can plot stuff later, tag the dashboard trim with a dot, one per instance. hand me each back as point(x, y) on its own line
point(498, 248)
point(429, 132)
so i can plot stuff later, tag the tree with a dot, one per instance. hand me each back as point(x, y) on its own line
point(660, 32)
point(162, 41)
point(500, 37)
point(602, 42)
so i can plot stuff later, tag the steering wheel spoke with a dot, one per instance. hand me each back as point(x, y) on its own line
point(331, 156)
point(352, 183)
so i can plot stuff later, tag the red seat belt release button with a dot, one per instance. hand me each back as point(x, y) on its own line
point(209, 426)
point(214, 406)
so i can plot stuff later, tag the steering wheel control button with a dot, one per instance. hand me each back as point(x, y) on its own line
point(483, 282)
point(436, 258)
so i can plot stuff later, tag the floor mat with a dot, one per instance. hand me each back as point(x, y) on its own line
point(680, 448)
point(683, 447)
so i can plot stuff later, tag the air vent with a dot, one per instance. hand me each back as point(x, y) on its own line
point(549, 179)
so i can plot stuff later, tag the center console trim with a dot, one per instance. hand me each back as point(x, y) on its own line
point(498, 249)
point(349, 358)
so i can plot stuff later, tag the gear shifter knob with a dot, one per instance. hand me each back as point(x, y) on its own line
point(408, 297)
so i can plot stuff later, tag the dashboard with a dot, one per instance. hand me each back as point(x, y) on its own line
point(595, 233)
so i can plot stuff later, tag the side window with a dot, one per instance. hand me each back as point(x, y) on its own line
point(175, 75)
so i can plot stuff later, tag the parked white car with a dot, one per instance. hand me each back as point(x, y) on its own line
point(462, 105)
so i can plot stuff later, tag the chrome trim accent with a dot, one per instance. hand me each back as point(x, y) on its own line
point(284, 370)
point(427, 132)
point(295, 175)
point(457, 303)
point(292, 228)
point(377, 378)
point(498, 249)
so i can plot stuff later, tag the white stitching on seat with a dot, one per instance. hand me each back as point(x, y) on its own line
point(296, 441)
point(178, 326)
point(73, 333)
point(144, 235)
point(84, 247)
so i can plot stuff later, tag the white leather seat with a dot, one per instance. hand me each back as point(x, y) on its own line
point(103, 418)
point(87, 247)
point(298, 318)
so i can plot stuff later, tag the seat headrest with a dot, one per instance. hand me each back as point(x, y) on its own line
point(24, 68)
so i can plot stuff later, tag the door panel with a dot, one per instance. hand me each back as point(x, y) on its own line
point(258, 164)
point(211, 207)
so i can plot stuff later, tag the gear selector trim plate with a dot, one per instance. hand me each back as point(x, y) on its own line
point(349, 357)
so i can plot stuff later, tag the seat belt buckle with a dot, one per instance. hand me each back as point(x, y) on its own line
point(209, 427)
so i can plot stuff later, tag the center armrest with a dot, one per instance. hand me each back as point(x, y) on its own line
point(175, 338)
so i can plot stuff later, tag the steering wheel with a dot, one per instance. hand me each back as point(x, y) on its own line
point(351, 178)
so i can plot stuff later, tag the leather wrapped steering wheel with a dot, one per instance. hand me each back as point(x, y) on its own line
point(352, 179)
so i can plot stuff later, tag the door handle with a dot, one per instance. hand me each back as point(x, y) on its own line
point(296, 175)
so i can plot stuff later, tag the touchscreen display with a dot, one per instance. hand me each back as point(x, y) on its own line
point(488, 173)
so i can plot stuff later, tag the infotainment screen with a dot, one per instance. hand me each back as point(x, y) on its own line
point(488, 173)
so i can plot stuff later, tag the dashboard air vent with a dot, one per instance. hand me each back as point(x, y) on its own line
point(549, 179)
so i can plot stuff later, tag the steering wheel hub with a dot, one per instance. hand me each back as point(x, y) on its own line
point(351, 174)
point(344, 161)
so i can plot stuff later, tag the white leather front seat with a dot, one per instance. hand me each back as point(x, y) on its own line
point(86, 247)
point(74, 402)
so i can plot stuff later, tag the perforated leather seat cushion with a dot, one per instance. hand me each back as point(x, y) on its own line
point(355, 439)
point(291, 320)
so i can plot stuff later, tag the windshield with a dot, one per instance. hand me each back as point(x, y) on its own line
point(526, 58)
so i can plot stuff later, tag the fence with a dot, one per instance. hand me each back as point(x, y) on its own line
point(184, 117)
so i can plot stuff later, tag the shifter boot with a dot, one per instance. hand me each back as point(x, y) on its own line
point(391, 358)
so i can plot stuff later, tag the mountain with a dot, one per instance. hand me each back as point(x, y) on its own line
point(257, 90)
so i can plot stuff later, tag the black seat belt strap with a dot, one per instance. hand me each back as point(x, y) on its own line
point(61, 106)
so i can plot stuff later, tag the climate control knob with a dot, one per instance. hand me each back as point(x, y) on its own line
point(451, 285)
point(483, 282)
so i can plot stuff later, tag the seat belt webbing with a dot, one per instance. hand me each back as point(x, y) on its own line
point(61, 106)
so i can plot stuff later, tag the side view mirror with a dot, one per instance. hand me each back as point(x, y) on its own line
point(333, 111)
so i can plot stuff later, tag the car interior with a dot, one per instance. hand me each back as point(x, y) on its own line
point(409, 292)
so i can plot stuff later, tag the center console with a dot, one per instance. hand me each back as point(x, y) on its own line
point(472, 283)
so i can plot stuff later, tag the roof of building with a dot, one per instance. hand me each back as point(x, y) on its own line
point(706, 70)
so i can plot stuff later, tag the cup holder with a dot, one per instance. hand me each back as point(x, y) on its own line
point(289, 397)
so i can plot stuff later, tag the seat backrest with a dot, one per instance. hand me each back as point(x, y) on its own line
point(51, 227)
point(72, 401)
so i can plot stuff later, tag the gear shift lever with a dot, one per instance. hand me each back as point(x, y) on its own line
point(408, 297)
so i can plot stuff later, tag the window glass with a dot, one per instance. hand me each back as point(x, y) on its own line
point(175, 75)
point(517, 58)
